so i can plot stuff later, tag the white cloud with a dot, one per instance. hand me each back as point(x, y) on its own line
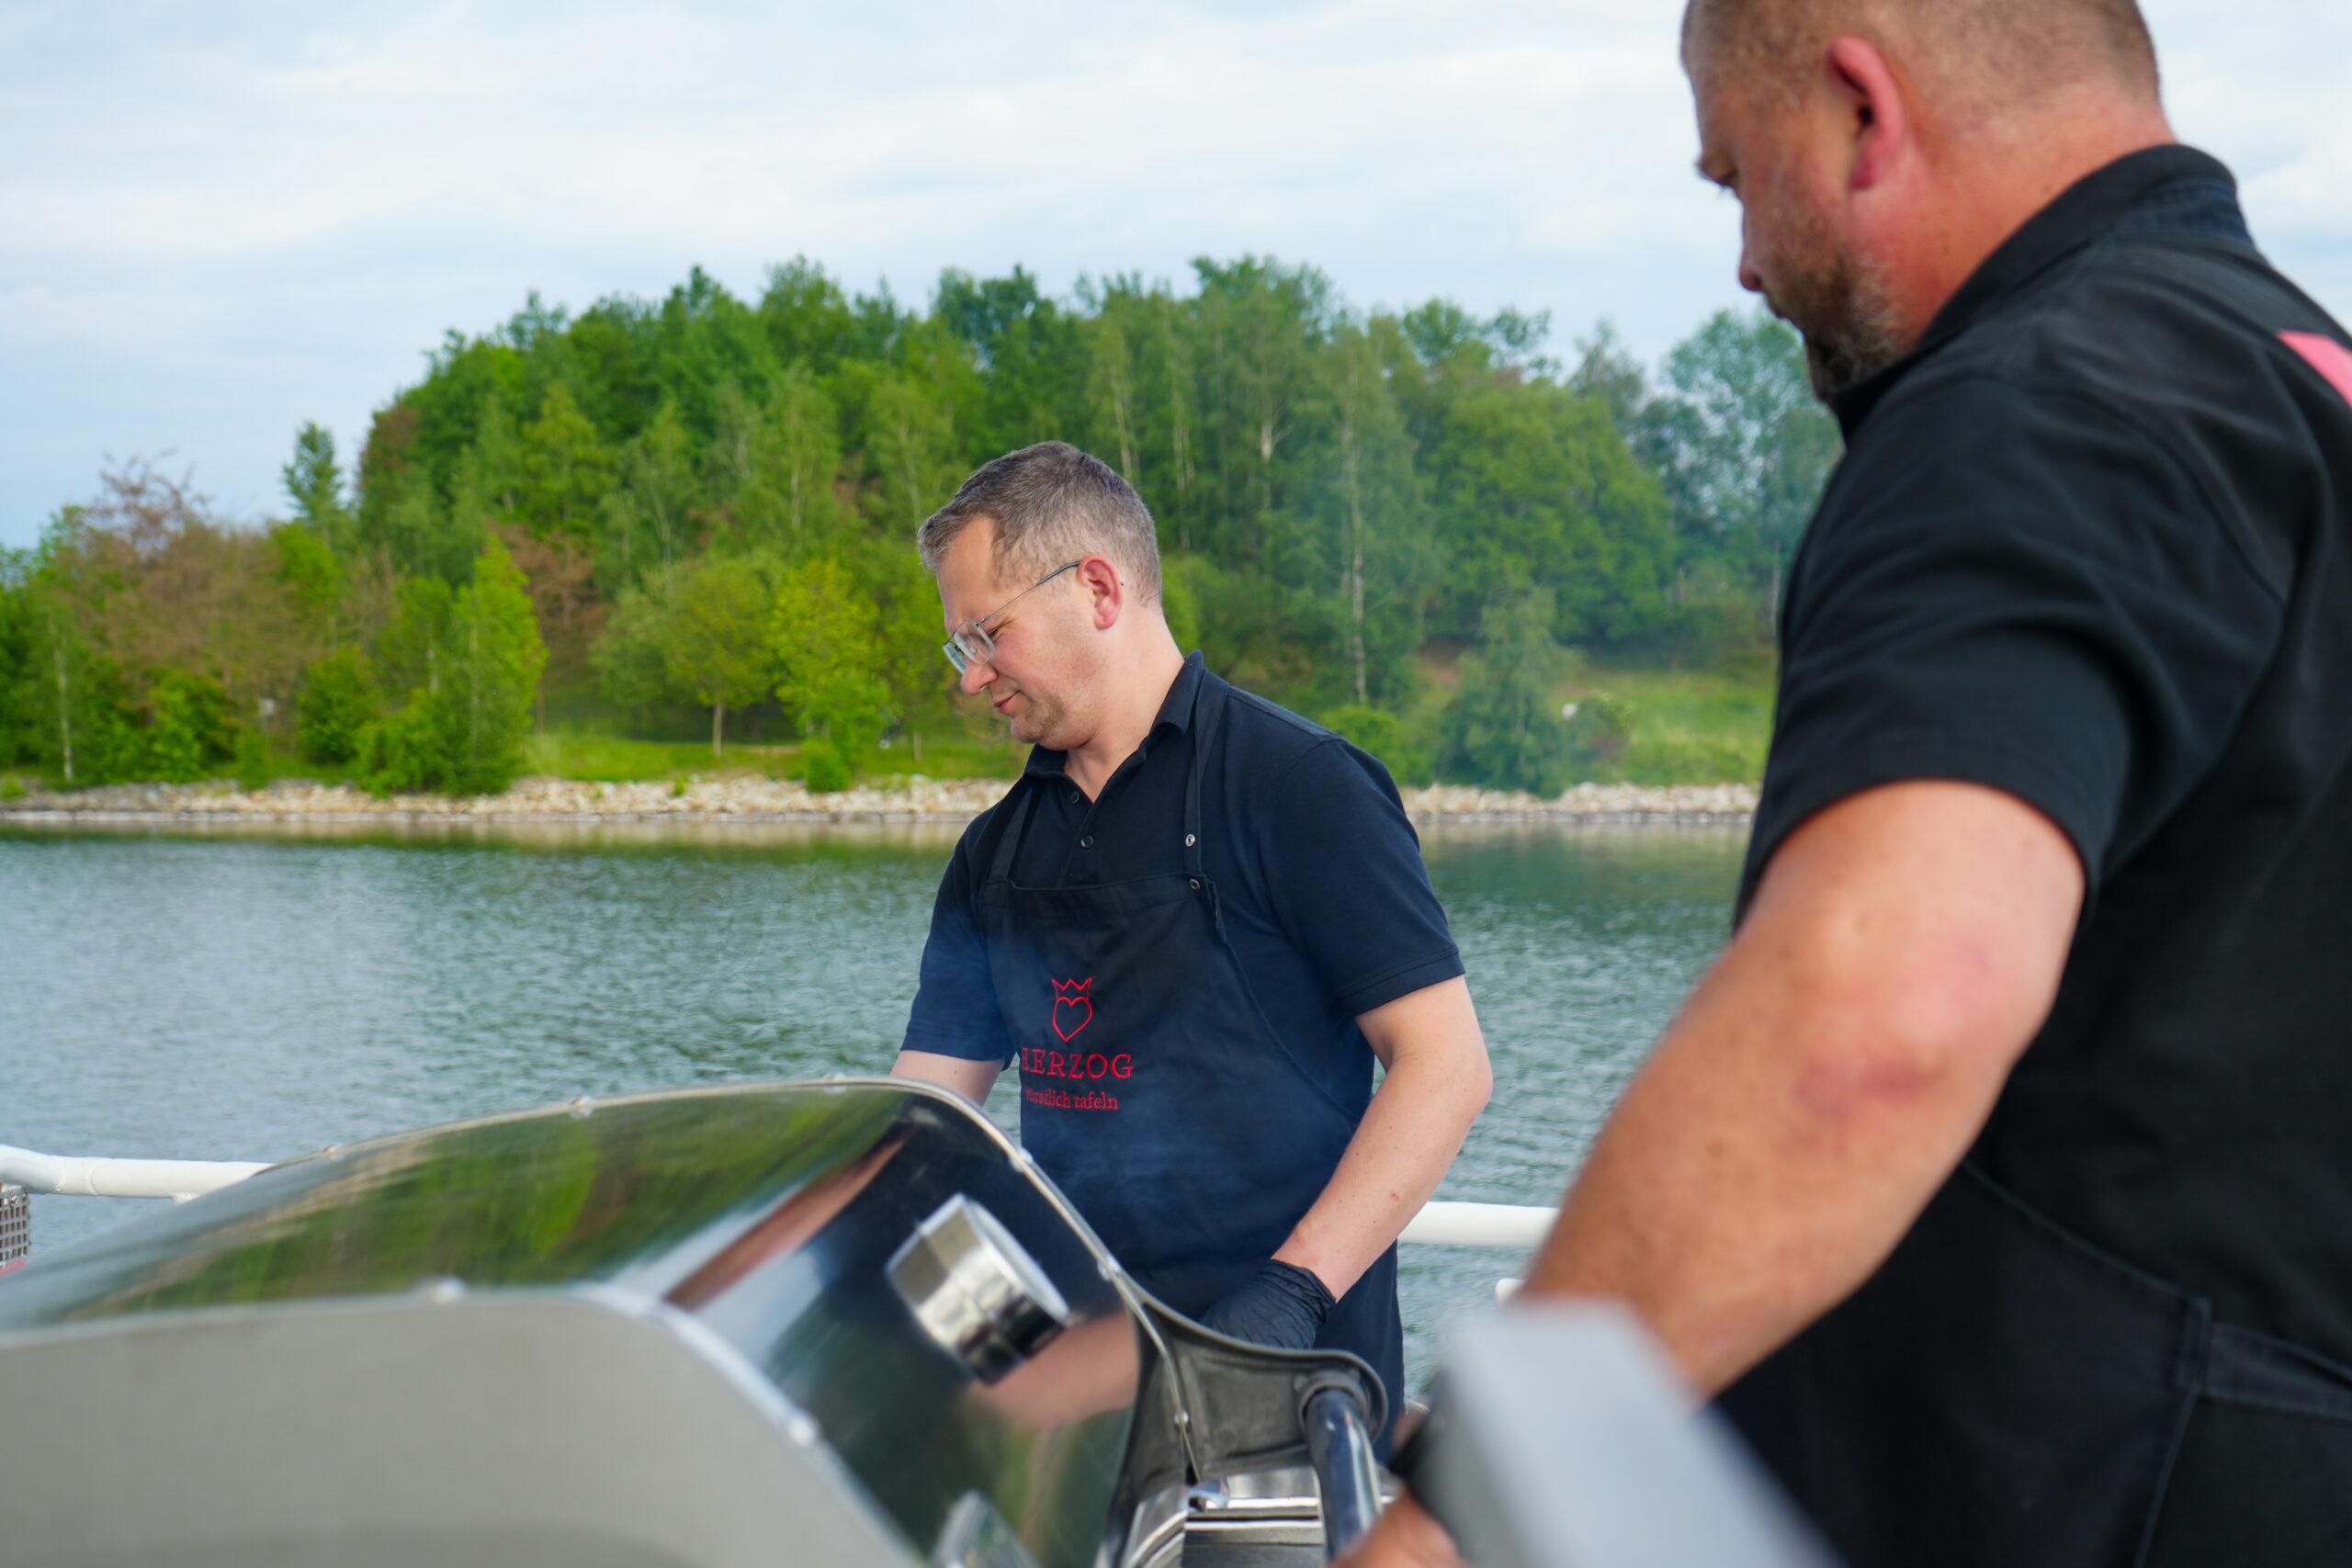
point(217, 222)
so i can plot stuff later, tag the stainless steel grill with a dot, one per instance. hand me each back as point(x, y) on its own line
point(15, 1227)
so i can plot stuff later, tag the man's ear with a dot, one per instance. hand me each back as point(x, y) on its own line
point(1106, 594)
point(1867, 90)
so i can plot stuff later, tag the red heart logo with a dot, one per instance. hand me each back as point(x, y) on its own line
point(1071, 995)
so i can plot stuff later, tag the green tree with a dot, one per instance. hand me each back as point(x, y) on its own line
point(490, 674)
point(314, 483)
point(565, 472)
point(1505, 726)
point(1739, 442)
point(1537, 488)
point(339, 702)
point(408, 653)
point(713, 641)
point(791, 464)
point(830, 657)
point(1386, 737)
point(910, 429)
point(649, 516)
point(480, 655)
point(189, 731)
point(1371, 494)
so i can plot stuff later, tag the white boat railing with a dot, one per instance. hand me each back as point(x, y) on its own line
point(83, 1176)
point(1443, 1224)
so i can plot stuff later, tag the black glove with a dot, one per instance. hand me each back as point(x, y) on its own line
point(1282, 1306)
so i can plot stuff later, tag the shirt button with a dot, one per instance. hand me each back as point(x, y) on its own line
point(1087, 842)
point(1073, 797)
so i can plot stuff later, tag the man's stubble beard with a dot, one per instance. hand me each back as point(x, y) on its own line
point(1039, 718)
point(1842, 307)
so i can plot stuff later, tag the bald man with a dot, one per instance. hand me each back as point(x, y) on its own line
point(1998, 1178)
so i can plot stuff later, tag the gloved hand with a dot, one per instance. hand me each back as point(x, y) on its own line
point(1282, 1306)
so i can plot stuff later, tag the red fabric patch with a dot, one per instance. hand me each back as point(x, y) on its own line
point(2327, 356)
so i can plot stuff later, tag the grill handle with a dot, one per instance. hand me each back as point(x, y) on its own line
point(1340, 1451)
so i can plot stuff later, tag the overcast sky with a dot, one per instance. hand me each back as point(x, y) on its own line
point(219, 220)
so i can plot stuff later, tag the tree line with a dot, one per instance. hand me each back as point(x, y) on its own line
point(708, 502)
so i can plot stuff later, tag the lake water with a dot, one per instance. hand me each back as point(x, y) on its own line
point(213, 997)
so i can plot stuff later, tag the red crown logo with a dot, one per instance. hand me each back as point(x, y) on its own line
point(1073, 1008)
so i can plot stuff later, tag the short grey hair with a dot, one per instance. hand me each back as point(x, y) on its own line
point(1997, 53)
point(1051, 504)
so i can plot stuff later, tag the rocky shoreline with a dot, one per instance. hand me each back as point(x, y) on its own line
point(753, 799)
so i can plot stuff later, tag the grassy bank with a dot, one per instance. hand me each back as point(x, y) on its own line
point(602, 757)
point(1689, 727)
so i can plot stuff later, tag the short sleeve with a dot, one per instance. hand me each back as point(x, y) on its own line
point(2017, 591)
point(956, 1011)
point(1346, 884)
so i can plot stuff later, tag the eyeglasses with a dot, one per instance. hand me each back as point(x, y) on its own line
point(968, 645)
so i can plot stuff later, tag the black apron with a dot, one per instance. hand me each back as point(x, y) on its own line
point(2002, 1393)
point(1154, 1091)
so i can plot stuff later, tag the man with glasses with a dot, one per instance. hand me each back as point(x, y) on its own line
point(1195, 923)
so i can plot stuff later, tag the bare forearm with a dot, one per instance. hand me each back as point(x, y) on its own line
point(970, 1079)
point(1726, 1210)
point(1824, 1080)
point(1438, 1082)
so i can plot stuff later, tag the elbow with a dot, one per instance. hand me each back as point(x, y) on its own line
point(1891, 1046)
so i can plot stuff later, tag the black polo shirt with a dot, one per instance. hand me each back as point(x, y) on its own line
point(2092, 545)
point(1318, 869)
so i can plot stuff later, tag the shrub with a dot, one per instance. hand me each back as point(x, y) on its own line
point(252, 760)
point(463, 732)
point(190, 731)
point(1504, 724)
point(1600, 730)
point(823, 768)
point(1387, 738)
point(489, 676)
point(402, 754)
point(338, 704)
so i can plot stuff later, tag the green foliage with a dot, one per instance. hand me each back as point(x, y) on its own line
point(1402, 752)
point(703, 499)
point(494, 658)
point(189, 731)
point(824, 768)
point(253, 767)
point(314, 483)
point(698, 631)
point(462, 730)
point(309, 569)
point(1540, 492)
point(1742, 450)
point(21, 718)
point(564, 472)
point(339, 702)
point(403, 754)
point(1504, 726)
point(1599, 732)
point(830, 655)
point(1180, 600)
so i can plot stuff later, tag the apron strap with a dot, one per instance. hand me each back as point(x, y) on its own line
point(1208, 718)
point(2247, 1367)
point(1001, 868)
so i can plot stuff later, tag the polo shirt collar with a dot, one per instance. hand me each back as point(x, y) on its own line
point(1175, 717)
point(2085, 211)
